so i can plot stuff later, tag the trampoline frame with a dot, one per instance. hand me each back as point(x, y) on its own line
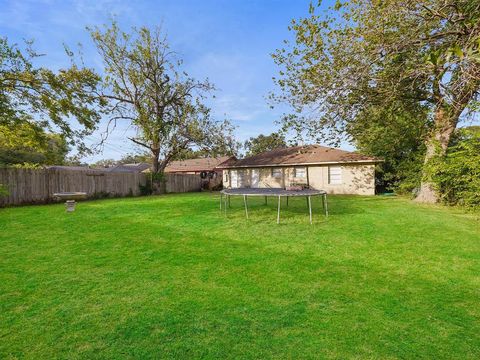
point(272, 192)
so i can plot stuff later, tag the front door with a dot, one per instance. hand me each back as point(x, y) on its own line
point(255, 178)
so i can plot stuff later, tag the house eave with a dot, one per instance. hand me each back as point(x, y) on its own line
point(305, 164)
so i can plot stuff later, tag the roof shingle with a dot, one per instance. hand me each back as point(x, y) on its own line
point(299, 155)
point(197, 165)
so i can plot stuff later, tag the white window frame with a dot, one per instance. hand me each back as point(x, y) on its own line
point(277, 173)
point(241, 178)
point(255, 178)
point(304, 170)
point(335, 175)
point(234, 178)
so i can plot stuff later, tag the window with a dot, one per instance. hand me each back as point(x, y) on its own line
point(276, 172)
point(255, 178)
point(242, 177)
point(300, 172)
point(334, 175)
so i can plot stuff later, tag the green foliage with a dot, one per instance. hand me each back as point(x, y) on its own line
point(25, 143)
point(190, 153)
point(135, 158)
point(457, 176)
point(126, 159)
point(44, 99)
point(146, 189)
point(26, 165)
point(145, 85)
point(154, 182)
point(104, 163)
point(75, 160)
point(396, 134)
point(158, 177)
point(262, 143)
point(360, 55)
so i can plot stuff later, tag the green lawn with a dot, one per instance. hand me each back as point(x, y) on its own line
point(170, 277)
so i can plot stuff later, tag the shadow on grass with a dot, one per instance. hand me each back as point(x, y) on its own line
point(336, 205)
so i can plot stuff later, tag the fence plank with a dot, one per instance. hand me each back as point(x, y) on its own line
point(33, 186)
point(176, 183)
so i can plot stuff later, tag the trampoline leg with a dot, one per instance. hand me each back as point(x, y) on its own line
point(325, 204)
point(265, 200)
point(287, 201)
point(310, 208)
point(228, 197)
point(245, 202)
point(221, 199)
point(278, 213)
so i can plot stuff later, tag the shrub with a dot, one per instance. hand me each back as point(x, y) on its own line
point(147, 188)
point(457, 176)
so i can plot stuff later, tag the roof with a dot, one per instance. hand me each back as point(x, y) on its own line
point(76, 168)
point(139, 167)
point(303, 155)
point(197, 165)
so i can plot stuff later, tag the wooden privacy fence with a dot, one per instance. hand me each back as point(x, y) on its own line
point(176, 183)
point(31, 186)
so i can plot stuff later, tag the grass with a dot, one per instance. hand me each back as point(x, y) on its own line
point(169, 277)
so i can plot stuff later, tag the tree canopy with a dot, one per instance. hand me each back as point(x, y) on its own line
point(396, 133)
point(42, 99)
point(457, 176)
point(24, 144)
point(145, 85)
point(363, 55)
point(262, 143)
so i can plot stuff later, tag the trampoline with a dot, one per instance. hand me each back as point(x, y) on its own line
point(270, 192)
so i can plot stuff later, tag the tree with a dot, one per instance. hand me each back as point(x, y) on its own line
point(376, 53)
point(145, 86)
point(396, 133)
point(457, 176)
point(27, 144)
point(262, 143)
point(134, 158)
point(43, 99)
point(231, 148)
point(105, 163)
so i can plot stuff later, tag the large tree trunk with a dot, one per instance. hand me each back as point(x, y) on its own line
point(158, 185)
point(437, 145)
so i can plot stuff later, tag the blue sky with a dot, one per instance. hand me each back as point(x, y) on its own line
point(229, 42)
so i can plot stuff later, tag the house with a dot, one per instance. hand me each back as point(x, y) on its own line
point(210, 169)
point(137, 168)
point(190, 166)
point(197, 166)
point(88, 169)
point(318, 167)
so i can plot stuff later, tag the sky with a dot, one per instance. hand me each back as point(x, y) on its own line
point(228, 42)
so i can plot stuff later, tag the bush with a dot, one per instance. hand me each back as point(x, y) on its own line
point(457, 176)
point(147, 188)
